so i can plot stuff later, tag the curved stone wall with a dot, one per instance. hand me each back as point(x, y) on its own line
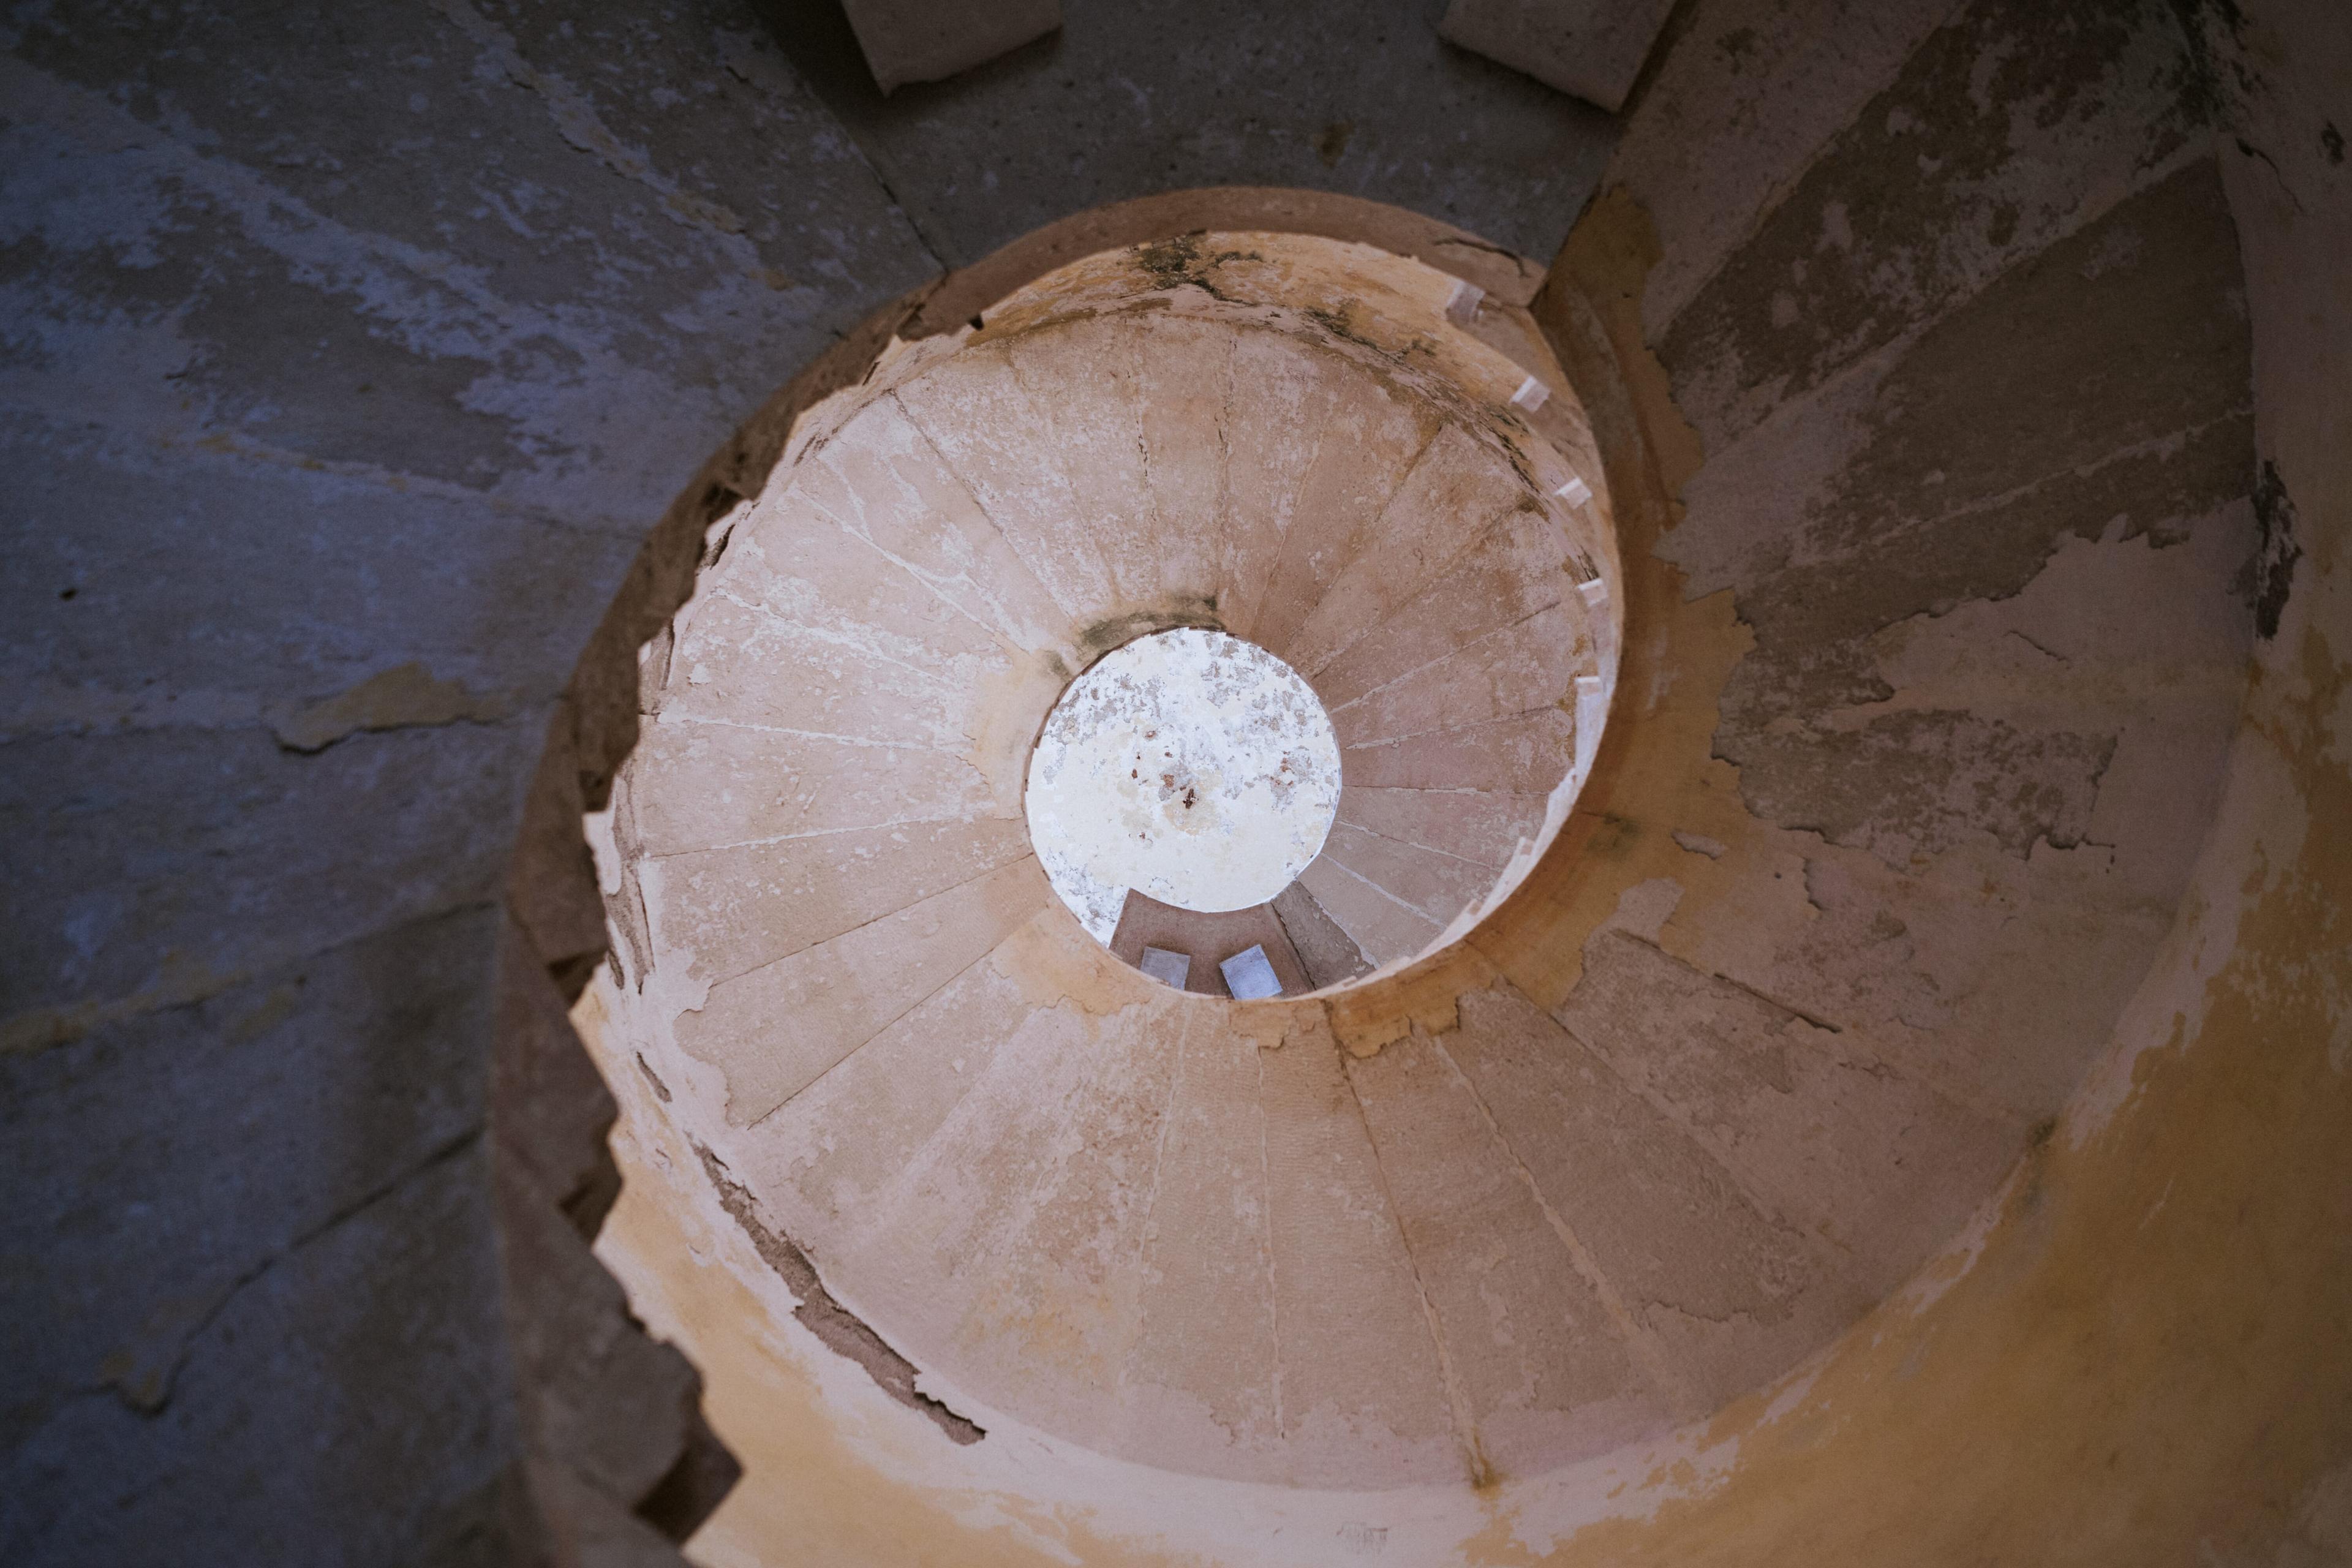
point(1967, 381)
point(821, 832)
point(1729, 1075)
point(1622, 1156)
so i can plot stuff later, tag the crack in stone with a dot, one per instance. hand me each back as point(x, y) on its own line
point(151, 1406)
point(835, 1327)
point(1465, 1424)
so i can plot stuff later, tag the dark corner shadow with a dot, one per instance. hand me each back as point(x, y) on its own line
point(816, 37)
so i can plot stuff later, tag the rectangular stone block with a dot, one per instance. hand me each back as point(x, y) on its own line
point(929, 40)
point(1592, 50)
point(1249, 976)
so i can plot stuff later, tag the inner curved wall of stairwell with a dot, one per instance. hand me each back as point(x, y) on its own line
point(1715, 958)
point(831, 915)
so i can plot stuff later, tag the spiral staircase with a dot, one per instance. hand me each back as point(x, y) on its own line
point(535, 1027)
point(1572, 1173)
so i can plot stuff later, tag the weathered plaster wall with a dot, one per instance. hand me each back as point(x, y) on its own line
point(2070, 1377)
point(2141, 1353)
point(348, 358)
point(1128, 100)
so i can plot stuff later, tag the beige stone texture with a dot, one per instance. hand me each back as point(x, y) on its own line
point(843, 941)
point(775, 1029)
point(763, 786)
point(1432, 883)
point(880, 477)
point(729, 649)
point(1812, 1127)
point(735, 908)
point(1717, 1288)
point(1025, 1249)
point(1369, 445)
point(1343, 1278)
point(1473, 825)
point(825, 1159)
point(1456, 490)
point(1183, 411)
point(1084, 385)
point(1207, 1272)
point(1517, 570)
point(787, 557)
point(1266, 461)
point(1381, 924)
point(1524, 753)
point(974, 410)
point(1518, 667)
point(1538, 1369)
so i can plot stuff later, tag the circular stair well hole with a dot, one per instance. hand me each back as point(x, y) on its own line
point(1190, 767)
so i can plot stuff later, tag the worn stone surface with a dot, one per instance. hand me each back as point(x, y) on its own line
point(1594, 50)
point(1384, 928)
point(1454, 490)
point(322, 1085)
point(1715, 1081)
point(754, 904)
point(900, 1087)
point(1484, 825)
point(348, 358)
point(1208, 940)
point(1787, 1105)
point(921, 40)
point(1711, 1282)
point(2009, 127)
point(840, 1332)
point(1208, 1303)
point(775, 1029)
point(1124, 102)
point(1517, 667)
point(2145, 336)
point(1367, 443)
point(1522, 753)
point(1327, 953)
point(1737, 106)
point(1434, 884)
point(630, 261)
point(154, 867)
point(1529, 1332)
point(1043, 1212)
point(299, 1393)
point(1514, 573)
point(280, 585)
